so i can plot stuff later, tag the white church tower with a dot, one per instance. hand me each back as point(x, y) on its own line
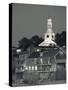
point(49, 36)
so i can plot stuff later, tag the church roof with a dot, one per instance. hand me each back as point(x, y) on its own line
point(60, 55)
point(47, 53)
point(47, 43)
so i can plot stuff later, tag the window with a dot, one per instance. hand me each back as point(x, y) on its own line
point(32, 67)
point(47, 36)
point(38, 50)
point(41, 54)
point(29, 67)
point(35, 67)
point(41, 60)
point(26, 68)
point(52, 36)
point(21, 68)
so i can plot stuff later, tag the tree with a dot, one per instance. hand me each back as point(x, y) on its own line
point(36, 40)
point(24, 43)
point(61, 39)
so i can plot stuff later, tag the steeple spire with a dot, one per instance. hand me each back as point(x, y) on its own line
point(49, 25)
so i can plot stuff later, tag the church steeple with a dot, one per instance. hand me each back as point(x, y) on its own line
point(49, 36)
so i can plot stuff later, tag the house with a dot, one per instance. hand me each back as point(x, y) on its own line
point(61, 65)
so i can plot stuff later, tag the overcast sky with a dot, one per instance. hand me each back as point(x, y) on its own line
point(29, 20)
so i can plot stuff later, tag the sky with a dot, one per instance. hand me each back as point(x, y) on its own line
point(29, 20)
